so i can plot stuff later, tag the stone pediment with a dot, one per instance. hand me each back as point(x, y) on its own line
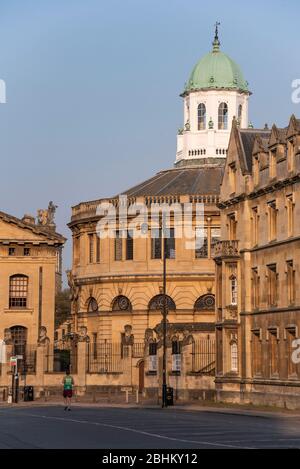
point(14, 229)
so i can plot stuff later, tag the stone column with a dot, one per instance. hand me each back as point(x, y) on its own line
point(6, 368)
point(81, 368)
point(40, 369)
point(127, 365)
point(186, 368)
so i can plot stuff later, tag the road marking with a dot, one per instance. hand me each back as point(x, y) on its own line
point(128, 429)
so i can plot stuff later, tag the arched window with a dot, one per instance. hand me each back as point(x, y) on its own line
point(234, 357)
point(19, 339)
point(157, 303)
point(205, 303)
point(201, 116)
point(121, 303)
point(18, 291)
point(240, 109)
point(92, 305)
point(223, 117)
point(233, 290)
point(18, 335)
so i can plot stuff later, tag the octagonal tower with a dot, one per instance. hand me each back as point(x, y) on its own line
point(215, 92)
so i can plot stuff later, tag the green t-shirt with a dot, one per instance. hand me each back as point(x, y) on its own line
point(68, 382)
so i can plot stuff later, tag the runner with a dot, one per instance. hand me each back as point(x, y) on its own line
point(68, 384)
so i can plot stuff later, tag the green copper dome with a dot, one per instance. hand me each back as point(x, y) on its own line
point(216, 70)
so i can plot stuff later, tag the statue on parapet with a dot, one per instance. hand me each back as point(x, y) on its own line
point(46, 216)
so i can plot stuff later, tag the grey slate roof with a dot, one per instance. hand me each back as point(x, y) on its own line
point(202, 180)
point(247, 139)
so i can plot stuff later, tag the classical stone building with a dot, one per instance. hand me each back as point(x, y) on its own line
point(257, 267)
point(30, 274)
point(117, 282)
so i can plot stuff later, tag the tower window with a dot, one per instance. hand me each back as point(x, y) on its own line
point(201, 116)
point(240, 109)
point(223, 117)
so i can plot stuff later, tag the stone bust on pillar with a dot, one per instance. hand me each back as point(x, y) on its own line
point(127, 338)
point(82, 334)
point(43, 339)
point(7, 337)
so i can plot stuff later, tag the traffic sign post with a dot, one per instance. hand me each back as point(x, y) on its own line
point(15, 379)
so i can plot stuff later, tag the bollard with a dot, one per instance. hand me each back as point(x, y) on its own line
point(137, 396)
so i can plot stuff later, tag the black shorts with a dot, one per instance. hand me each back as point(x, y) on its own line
point(67, 393)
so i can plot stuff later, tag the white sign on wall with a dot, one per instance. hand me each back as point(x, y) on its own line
point(176, 362)
point(2, 351)
point(152, 362)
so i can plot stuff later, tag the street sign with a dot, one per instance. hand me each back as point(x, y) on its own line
point(126, 388)
point(13, 361)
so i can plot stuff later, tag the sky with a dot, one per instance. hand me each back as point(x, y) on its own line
point(92, 89)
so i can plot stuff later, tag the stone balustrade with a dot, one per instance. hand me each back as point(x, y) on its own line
point(229, 248)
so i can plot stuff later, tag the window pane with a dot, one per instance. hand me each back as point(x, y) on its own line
point(201, 250)
point(233, 291)
point(223, 116)
point(97, 248)
point(156, 245)
point(118, 247)
point(201, 116)
point(215, 235)
point(170, 245)
point(91, 248)
point(18, 287)
point(129, 246)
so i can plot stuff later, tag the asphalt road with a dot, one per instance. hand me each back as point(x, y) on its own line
point(111, 428)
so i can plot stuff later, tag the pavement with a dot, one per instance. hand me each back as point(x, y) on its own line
point(98, 426)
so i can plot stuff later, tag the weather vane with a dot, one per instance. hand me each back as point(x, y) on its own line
point(216, 32)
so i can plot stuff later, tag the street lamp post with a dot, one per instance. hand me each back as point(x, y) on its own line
point(164, 321)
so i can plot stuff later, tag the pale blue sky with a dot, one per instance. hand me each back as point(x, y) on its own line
point(93, 88)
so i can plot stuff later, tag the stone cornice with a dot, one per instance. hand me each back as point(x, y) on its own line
point(143, 277)
point(271, 244)
point(270, 311)
point(32, 242)
point(261, 191)
point(274, 186)
point(233, 201)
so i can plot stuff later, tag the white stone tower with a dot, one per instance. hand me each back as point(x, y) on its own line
point(215, 92)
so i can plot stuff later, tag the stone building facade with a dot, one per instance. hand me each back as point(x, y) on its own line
point(30, 273)
point(117, 283)
point(257, 268)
